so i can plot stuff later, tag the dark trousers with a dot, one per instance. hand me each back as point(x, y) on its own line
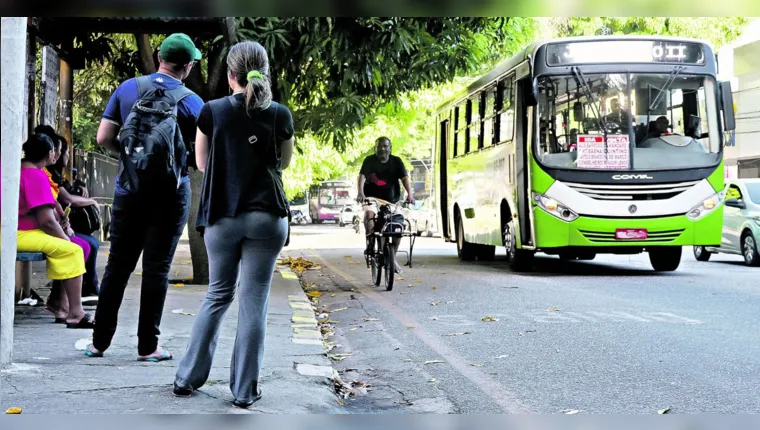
point(90, 285)
point(151, 226)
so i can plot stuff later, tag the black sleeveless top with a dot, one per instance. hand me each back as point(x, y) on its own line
point(243, 171)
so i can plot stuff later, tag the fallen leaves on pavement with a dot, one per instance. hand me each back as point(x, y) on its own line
point(434, 362)
point(345, 390)
point(314, 293)
point(435, 303)
point(553, 309)
point(489, 319)
point(338, 357)
point(13, 411)
point(298, 265)
point(475, 364)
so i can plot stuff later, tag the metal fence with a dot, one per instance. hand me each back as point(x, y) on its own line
point(98, 172)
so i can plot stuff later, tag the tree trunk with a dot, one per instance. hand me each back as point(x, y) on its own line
point(144, 48)
point(198, 253)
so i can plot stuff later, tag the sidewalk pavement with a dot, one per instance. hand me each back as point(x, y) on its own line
point(50, 376)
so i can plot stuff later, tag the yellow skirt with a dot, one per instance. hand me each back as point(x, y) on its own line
point(65, 260)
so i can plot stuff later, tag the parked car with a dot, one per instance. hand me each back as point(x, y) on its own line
point(346, 216)
point(421, 217)
point(741, 223)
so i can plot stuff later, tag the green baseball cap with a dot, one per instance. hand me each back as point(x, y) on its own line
point(178, 48)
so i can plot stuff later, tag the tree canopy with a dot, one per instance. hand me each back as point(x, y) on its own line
point(349, 80)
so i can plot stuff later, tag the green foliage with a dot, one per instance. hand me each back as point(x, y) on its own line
point(350, 80)
point(716, 30)
point(335, 72)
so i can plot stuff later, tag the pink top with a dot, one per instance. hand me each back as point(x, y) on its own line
point(34, 192)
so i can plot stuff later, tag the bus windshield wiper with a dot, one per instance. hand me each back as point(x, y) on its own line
point(581, 81)
point(669, 83)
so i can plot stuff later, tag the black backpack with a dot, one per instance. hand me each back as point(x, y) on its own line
point(152, 149)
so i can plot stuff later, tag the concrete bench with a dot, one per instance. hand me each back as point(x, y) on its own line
point(24, 273)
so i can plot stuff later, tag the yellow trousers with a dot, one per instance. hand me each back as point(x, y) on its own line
point(65, 260)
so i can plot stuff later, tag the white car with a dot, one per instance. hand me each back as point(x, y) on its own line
point(346, 216)
point(741, 223)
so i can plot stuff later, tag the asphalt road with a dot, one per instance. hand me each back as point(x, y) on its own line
point(605, 336)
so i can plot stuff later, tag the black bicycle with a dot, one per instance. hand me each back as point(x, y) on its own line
point(390, 223)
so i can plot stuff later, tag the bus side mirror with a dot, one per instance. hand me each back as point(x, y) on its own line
point(531, 92)
point(727, 99)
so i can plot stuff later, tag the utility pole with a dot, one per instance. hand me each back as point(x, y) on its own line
point(13, 53)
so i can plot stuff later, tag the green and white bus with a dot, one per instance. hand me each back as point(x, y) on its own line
point(582, 146)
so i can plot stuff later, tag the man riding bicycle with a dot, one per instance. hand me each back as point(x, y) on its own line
point(379, 179)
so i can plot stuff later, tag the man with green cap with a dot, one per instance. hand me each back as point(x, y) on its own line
point(141, 225)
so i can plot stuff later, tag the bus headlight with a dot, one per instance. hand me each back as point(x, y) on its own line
point(708, 205)
point(554, 207)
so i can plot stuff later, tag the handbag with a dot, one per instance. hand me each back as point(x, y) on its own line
point(85, 220)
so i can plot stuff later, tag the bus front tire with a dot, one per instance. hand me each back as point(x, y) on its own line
point(520, 260)
point(665, 259)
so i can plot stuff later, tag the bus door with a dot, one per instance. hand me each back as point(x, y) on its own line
point(443, 189)
point(524, 139)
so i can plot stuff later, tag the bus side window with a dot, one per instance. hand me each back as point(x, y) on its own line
point(454, 134)
point(488, 115)
point(474, 124)
point(461, 133)
point(507, 110)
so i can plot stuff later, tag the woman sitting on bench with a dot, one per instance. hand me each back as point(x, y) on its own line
point(40, 231)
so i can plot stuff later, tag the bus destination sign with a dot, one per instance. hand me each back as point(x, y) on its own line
point(624, 51)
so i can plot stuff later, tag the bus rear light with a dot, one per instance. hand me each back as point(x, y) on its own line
point(554, 208)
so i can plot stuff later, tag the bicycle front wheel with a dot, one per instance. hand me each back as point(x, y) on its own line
point(390, 266)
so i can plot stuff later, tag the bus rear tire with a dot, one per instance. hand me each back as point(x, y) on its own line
point(520, 260)
point(465, 250)
point(666, 258)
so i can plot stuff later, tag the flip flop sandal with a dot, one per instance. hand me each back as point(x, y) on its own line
point(89, 353)
point(60, 320)
point(86, 322)
point(165, 356)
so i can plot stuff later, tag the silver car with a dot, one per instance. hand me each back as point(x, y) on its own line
point(741, 223)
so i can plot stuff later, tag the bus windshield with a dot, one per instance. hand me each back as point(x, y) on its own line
point(628, 121)
point(334, 196)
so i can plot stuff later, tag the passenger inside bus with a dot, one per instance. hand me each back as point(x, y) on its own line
point(620, 117)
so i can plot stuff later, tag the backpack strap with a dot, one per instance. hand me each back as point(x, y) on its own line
point(179, 93)
point(144, 86)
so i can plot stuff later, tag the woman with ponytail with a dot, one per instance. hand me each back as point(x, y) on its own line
point(243, 143)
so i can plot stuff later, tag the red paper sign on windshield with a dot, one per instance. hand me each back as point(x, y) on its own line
point(592, 155)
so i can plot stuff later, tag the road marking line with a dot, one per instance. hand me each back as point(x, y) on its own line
point(491, 388)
